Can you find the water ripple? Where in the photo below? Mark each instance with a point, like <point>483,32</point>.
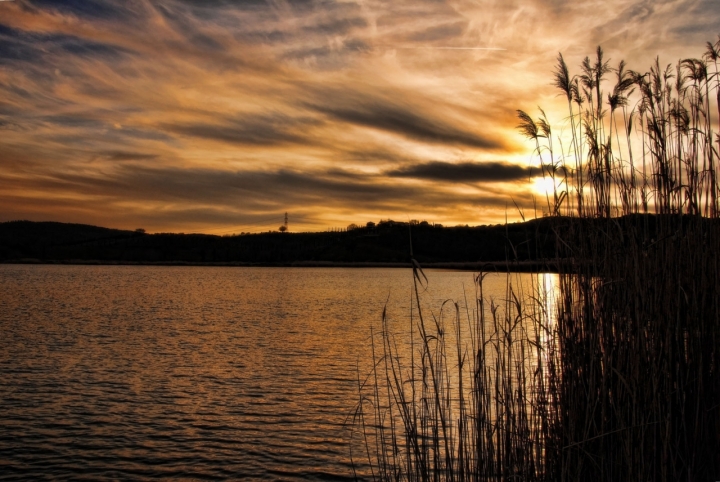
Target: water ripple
<point>187,373</point>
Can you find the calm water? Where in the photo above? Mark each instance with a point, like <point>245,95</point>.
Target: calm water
<point>126,372</point>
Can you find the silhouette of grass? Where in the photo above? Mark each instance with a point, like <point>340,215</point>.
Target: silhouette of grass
<point>619,378</point>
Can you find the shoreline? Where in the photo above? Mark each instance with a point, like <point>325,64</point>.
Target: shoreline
<point>549,266</point>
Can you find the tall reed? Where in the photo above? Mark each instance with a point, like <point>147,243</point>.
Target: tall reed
<point>639,320</point>
<point>463,398</point>
<point>620,378</point>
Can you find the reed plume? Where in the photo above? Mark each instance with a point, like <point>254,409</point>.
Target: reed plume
<point>619,379</point>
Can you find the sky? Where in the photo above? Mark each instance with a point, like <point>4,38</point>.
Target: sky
<point>219,116</point>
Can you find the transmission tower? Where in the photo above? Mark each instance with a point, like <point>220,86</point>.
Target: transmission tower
<point>286,222</point>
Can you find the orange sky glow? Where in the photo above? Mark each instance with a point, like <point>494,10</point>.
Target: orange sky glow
<point>219,116</point>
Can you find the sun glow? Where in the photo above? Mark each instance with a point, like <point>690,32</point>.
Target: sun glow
<point>545,186</point>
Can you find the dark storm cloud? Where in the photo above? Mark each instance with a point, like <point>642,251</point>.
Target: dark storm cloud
<point>261,130</point>
<point>465,172</point>
<point>403,120</point>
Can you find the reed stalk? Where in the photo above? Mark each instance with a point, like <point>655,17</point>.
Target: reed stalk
<point>619,379</point>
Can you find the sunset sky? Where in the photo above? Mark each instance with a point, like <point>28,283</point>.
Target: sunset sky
<point>219,116</point>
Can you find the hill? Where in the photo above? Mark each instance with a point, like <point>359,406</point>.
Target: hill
<point>386,242</point>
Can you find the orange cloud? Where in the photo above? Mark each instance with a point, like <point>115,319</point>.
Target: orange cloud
<point>195,116</point>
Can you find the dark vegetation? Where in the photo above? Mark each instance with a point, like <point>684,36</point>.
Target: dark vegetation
<point>385,242</point>
<point>619,378</point>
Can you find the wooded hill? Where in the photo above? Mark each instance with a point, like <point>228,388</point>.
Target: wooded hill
<point>532,242</point>
<point>386,242</point>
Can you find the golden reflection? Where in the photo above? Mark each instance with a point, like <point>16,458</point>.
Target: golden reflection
<point>549,287</point>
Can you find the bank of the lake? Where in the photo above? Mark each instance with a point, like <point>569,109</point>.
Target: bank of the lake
<point>548,266</point>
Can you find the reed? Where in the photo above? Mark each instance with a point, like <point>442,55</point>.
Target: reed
<point>619,379</point>
<point>438,408</point>
<point>639,321</point>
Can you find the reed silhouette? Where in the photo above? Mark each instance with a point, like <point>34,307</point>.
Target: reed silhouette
<point>618,378</point>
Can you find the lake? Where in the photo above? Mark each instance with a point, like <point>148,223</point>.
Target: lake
<point>137,372</point>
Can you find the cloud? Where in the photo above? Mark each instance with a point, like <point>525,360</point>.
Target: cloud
<point>703,22</point>
<point>243,194</point>
<point>325,108</point>
<point>96,9</point>
<point>465,172</point>
<point>406,121</point>
<point>32,47</point>
<point>213,5</point>
<point>85,48</point>
<point>262,130</point>
<point>440,32</point>
<point>337,26</point>
<point>264,187</point>
<point>128,156</point>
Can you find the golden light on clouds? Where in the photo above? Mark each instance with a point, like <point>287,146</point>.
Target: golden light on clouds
<point>184,115</point>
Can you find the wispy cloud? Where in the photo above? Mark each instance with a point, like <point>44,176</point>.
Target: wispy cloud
<point>400,119</point>
<point>492,171</point>
<point>271,130</point>
<point>188,114</point>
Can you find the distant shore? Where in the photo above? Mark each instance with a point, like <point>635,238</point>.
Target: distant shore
<point>387,244</point>
<point>498,266</point>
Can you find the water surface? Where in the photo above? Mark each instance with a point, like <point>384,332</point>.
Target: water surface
<point>136,372</point>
